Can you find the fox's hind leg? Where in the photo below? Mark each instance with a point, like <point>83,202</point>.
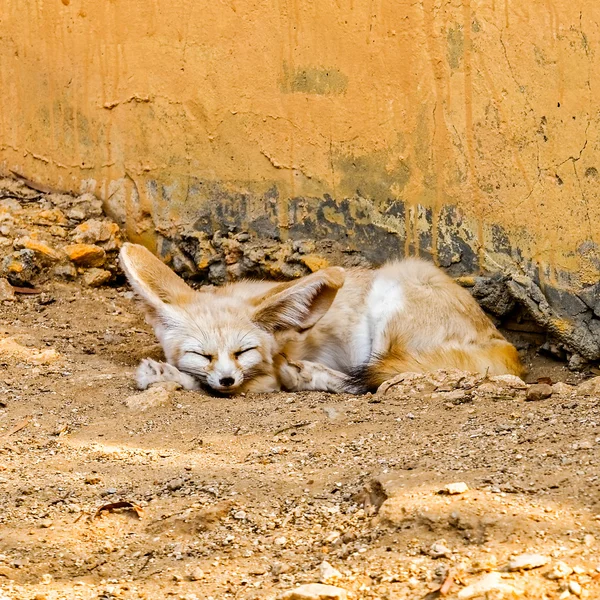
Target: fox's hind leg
<point>151,371</point>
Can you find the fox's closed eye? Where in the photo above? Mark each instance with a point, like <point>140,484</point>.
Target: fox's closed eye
<point>240,352</point>
<point>208,357</point>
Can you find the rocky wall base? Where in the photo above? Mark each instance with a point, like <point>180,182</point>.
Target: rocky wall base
<point>46,235</point>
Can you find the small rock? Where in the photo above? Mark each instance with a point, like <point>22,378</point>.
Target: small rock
<point>560,571</point>
<point>563,389</point>
<point>175,485</point>
<point>95,231</point>
<point>588,539</point>
<point>42,249</point>
<point>150,398</point>
<point>328,574</point>
<point>315,262</point>
<point>439,550</point>
<point>46,523</point>
<point>453,489</point>
<point>511,381</point>
<point>6,290</point>
<point>489,584</point>
<point>280,541</point>
<point>496,390</point>
<point>92,479</point>
<point>240,515</point>
<point>85,255</point>
<point>67,271</point>
<point>109,491</point>
<point>575,588</point>
<point>83,207</point>
<point>591,387</point>
<point>527,561</point>
<point>315,591</point>
<point>197,574</point>
<point>47,578</point>
<point>538,391</point>
<point>96,277</point>
<point>278,568</point>
<point>20,268</point>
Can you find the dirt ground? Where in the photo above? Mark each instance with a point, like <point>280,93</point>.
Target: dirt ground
<point>246,497</point>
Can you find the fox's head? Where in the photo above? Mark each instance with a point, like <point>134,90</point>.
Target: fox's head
<point>228,336</point>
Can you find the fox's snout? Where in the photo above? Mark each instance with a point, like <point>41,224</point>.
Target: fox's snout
<point>225,376</point>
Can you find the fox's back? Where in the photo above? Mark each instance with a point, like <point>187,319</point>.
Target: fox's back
<point>407,307</point>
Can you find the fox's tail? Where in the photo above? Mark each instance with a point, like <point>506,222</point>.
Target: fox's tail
<point>496,357</point>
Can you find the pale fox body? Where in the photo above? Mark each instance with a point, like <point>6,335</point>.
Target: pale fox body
<point>334,330</point>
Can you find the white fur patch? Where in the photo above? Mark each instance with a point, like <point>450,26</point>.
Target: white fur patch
<point>385,300</point>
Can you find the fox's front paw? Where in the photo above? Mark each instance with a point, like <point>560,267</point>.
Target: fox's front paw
<point>151,371</point>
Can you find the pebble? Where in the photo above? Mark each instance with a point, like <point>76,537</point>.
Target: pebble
<point>96,277</point>
<point>560,571</point>
<point>591,387</point>
<point>315,591</point>
<point>85,255</point>
<point>563,389</point>
<point>46,523</point>
<point>175,485</point>
<point>511,381</point>
<point>539,391</point>
<point>439,550</point>
<point>6,290</point>
<point>150,398</point>
<point>197,574</point>
<point>575,588</point>
<point>527,561</point>
<point>240,515</point>
<point>328,573</point>
<point>489,584</point>
<point>453,489</point>
<point>280,541</point>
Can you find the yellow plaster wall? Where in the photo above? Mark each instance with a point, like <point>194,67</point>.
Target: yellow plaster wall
<point>490,107</point>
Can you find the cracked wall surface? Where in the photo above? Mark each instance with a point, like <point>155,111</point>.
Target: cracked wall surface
<point>467,132</point>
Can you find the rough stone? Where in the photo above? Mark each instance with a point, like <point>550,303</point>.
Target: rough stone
<point>591,296</point>
<point>152,397</point>
<point>86,255</point>
<point>525,562</point>
<point>105,233</point>
<point>96,277</point>
<point>563,389</point>
<point>20,268</point>
<point>560,571</point>
<point>486,586</point>
<point>538,391</point>
<point>454,489</point>
<point>65,270</point>
<point>42,249</point>
<point>439,550</point>
<point>315,591</point>
<point>328,574</point>
<point>573,332</point>
<point>591,387</point>
<point>493,295</point>
<point>6,290</point>
<point>511,381</point>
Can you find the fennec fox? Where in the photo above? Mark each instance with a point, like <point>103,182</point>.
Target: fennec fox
<point>334,330</point>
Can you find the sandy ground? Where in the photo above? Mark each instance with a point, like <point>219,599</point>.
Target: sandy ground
<point>246,497</point>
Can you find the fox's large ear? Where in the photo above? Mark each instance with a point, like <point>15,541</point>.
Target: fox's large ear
<point>298,304</point>
<point>152,279</point>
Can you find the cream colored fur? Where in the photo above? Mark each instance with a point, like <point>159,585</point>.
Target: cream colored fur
<point>333,330</point>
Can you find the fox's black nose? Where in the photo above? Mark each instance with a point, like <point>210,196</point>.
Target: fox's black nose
<point>227,381</point>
